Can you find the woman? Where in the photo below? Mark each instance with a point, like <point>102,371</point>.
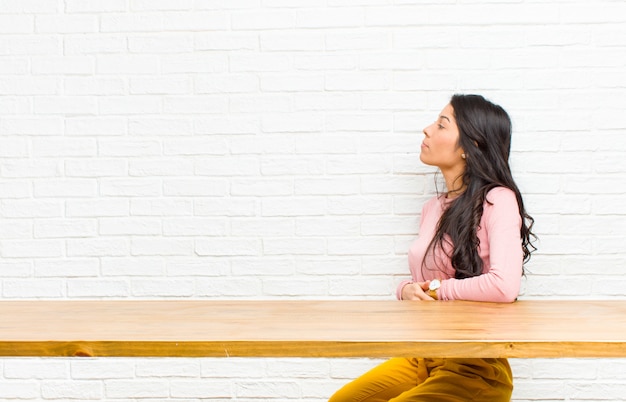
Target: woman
<point>473,241</point>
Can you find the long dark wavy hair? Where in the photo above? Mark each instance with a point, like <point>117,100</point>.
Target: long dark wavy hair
<point>485,137</point>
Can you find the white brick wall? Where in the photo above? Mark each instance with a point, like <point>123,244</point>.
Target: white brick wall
<point>260,149</point>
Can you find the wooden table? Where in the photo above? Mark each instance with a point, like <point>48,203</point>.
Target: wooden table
<point>524,329</point>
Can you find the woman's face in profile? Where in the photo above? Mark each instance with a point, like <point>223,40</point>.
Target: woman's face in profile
<point>440,146</point>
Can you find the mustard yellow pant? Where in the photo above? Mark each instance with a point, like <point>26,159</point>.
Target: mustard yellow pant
<point>432,380</point>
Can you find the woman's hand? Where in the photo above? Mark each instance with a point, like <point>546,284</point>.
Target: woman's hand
<point>416,291</point>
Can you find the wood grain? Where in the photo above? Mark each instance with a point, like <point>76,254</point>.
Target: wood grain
<point>313,328</point>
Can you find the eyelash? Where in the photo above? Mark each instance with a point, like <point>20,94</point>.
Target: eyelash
<point>441,127</point>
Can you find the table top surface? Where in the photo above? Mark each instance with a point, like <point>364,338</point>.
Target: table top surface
<point>313,328</point>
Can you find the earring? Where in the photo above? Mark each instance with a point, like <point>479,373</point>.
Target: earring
<point>463,156</point>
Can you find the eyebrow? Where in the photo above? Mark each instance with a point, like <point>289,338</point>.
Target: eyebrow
<point>444,117</point>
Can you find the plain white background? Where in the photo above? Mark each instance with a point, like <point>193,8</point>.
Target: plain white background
<point>268,149</point>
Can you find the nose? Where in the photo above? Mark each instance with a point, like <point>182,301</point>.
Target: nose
<point>425,130</point>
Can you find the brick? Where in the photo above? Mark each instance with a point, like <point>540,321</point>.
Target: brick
<point>31,208</point>
<point>66,24</point>
<point>359,122</point>
<point>195,226</point>
<point>360,164</point>
<point>172,85</point>
<point>94,44</point>
<point>129,226</point>
<point>327,226</point>
<point>135,389</point>
<point>55,147</point>
<point>32,289</point>
<point>126,105</point>
<point>264,266</point>
<point>259,20</point>
<point>359,205</point>
<point>74,85</point>
<point>131,187</point>
<point>262,227</point>
<point>194,63</point>
<point>259,62</point>
<point>65,228</point>
<point>97,288</point>
<point>97,207</point>
<point>35,369</point>
<point>96,168</point>
<point>200,389</point>
<point>126,64</point>
<point>161,207</point>
<point>30,45</point>
<point>195,146</point>
<point>95,6</point>
<point>132,22</point>
<point>178,367</point>
<point>220,287</point>
<point>360,246</point>
<point>16,269</point>
<point>65,268</point>
<point>97,247</point>
<point>234,367</point>
<point>64,105</point>
<point>293,287</point>
<point>228,247</point>
<point>155,246</point>
<point>227,166</point>
<point>292,83</point>
<point>16,24</point>
<point>86,390</point>
<point>335,17</point>
<point>101,369</point>
<point>284,389</point>
<point>162,167</point>
<point>65,188</point>
<point>96,126</point>
<point>34,126</point>
<point>226,40</point>
<point>195,104</point>
<point>20,390</point>
<point>158,43</point>
<point>70,65</point>
<point>291,165</point>
<point>132,266</point>
<point>198,266</point>
<point>300,206</point>
<point>195,187</point>
<point>297,246</point>
<point>162,288</point>
<point>314,265</point>
<point>15,189</point>
<point>226,83</point>
<point>28,85</point>
<point>261,187</point>
<point>297,42</point>
<point>237,206</point>
<point>32,248</point>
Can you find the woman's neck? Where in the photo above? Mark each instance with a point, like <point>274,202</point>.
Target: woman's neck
<point>454,184</point>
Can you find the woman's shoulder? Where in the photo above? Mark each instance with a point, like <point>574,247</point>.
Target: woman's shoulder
<point>501,193</point>
<point>501,199</point>
<point>433,203</point>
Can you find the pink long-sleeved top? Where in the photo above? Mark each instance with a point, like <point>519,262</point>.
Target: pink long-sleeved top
<point>500,249</point>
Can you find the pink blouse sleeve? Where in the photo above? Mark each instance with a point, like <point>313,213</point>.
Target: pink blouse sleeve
<point>500,281</point>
